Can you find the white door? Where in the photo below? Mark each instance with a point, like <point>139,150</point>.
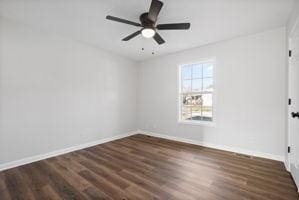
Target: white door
<point>294,107</point>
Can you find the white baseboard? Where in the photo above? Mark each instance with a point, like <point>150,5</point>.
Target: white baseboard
<point>286,165</point>
<point>216,146</point>
<point>61,151</point>
<point>295,174</point>
<point>101,141</point>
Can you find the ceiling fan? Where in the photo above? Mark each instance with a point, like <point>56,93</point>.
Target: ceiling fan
<point>148,24</point>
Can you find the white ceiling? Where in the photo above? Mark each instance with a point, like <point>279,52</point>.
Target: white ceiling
<point>211,21</point>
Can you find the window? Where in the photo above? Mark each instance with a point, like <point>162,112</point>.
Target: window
<point>196,89</point>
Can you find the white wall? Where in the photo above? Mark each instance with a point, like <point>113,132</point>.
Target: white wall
<point>56,93</point>
<point>294,16</point>
<point>250,93</point>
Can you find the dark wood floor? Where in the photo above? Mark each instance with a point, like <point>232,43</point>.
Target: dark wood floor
<point>142,167</point>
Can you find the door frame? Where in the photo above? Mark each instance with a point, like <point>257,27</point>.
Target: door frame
<point>289,48</point>
<point>288,159</point>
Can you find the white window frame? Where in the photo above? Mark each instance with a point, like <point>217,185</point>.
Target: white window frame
<point>196,122</point>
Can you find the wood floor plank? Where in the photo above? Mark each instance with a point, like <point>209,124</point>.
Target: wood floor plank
<point>4,193</point>
<point>16,185</point>
<point>86,188</point>
<point>149,168</point>
<point>94,194</point>
<point>49,193</point>
<point>72,178</point>
<point>109,189</point>
<point>58,183</point>
<point>110,176</point>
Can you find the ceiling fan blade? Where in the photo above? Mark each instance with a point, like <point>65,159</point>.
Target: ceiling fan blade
<point>158,38</point>
<point>122,20</point>
<point>132,35</point>
<point>176,26</point>
<point>154,10</point>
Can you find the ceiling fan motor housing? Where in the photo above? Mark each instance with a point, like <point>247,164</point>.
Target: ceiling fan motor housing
<point>145,21</point>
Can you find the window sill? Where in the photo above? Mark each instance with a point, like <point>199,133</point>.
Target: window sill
<point>198,123</point>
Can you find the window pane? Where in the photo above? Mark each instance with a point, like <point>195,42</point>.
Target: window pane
<point>207,107</point>
<point>186,72</point>
<point>196,113</point>
<point>208,84</point>
<point>196,85</point>
<point>208,70</point>
<point>186,86</point>
<point>197,71</point>
<point>187,100</point>
<point>186,113</point>
<point>196,99</point>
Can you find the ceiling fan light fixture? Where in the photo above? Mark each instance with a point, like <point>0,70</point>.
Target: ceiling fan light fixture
<point>148,32</point>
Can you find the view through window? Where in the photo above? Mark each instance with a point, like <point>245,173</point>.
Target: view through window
<point>196,92</point>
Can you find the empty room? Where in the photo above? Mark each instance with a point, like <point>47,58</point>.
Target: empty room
<point>149,99</point>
